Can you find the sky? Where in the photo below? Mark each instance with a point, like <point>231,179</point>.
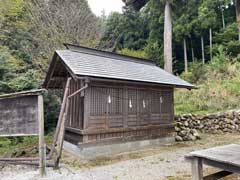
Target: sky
<point>108,5</point>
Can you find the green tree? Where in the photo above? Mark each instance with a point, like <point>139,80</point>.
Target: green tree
<point>30,31</point>
<point>155,16</point>
<point>129,30</point>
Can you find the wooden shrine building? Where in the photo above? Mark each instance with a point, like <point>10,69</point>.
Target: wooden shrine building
<point>123,98</point>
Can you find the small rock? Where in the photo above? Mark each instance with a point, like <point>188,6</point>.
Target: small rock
<point>192,138</point>
<point>177,129</point>
<point>178,138</point>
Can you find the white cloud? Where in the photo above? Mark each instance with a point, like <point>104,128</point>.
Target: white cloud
<point>109,6</point>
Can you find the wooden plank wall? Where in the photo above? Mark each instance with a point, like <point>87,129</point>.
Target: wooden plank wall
<point>144,107</point>
<point>19,116</point>
<point>75,118</point>
<point>127,135</point>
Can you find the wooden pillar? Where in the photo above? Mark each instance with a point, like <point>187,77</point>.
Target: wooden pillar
<point>138,108</point>
<point>86,107</point>
<point>42,156</point>
<point>197,170</point>
<point>125,107</point>
<point>63,108</point>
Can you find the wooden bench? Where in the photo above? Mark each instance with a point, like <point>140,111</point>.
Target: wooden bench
<point>226,158</point>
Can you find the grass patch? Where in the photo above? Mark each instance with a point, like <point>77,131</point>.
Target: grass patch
<point>218,88</point>
<point>8,145</point>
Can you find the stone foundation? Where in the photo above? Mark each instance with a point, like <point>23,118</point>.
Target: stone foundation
<point>115,148</point>
<point>188,126</point>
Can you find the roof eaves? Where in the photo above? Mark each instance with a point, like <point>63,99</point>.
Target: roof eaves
<point>137,82</point>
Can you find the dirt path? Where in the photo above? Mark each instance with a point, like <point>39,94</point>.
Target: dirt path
<point>155,163</point>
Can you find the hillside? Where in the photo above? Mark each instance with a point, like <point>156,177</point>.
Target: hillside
<point>218,86</point>
<point>30,31</point>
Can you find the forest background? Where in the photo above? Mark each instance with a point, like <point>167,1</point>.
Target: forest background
<point>206,45</point>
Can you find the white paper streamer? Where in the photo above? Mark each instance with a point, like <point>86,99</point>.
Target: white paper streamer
<point>109,99</point>
<point>144,104</point>
<point>130,103</point>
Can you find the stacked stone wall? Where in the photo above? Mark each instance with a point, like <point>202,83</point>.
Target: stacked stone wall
<point>189,127</point>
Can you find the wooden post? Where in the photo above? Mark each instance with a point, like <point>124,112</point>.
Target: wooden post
<point>197,171</point>
<point>66,93</point>
<point>86,108</point>
<point>125,107</point>
<point>42,160</point>
<point>61,135</point>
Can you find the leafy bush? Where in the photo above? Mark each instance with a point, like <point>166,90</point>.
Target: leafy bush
<point>52,109</point>
<point>134,53</point>
<point>219,61</point>
<point>155,52</point>
<point>228,39</point>
<point>195,74</point>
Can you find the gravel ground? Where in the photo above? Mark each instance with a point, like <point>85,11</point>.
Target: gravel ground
<point>153,163</point>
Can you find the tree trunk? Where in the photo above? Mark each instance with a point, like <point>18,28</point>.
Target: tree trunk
<point>192,50</point>
<point>193,57</point>
<point>237,6</point>
<point>168,38</point>
<point>203,54</point>
<point>185,55</point>
<point>223,19</point>
<point>210,43</point>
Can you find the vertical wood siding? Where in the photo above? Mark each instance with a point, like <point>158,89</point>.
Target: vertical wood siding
<point>132,107</point>
<point>167,107</point>
<point>119,112</point>
<point>106,107</point>
<point>144,107</point>
<point>75,117</point>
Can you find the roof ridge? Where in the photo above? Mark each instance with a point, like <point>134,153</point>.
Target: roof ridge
<point>106,54</point>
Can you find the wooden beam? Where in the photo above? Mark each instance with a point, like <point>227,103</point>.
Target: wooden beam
<point>17,135</point>
<point>42,160</point>
<point>61,135</point>
<point>22,159</point>
<point>130,82</point>
<point>197,170</point>
<point>78,91</point>
<point>50,71</point>
<point>23,93</point>
<point>48,164</point>
<point>125,107</point>
<point>116,130</point>
<point>217,175</point>
<point>86,108</point>
<point>222,165</point>
<point>60,79</point>
<point>66,93</point>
